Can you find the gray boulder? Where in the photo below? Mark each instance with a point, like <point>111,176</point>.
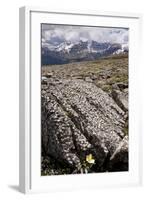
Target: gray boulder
<point>120,95</point>
<point>78,119</point>
<point>119,159</point>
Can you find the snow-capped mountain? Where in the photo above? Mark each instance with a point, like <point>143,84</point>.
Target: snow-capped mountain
<point>68,51</point>
<point>64,46</point>
<point>124,49</point>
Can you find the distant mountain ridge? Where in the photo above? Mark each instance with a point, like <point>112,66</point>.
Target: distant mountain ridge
<point>67,51</point>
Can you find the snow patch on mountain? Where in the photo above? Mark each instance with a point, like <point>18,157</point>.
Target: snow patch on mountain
<point>65,46</point>
<point>124,48</point>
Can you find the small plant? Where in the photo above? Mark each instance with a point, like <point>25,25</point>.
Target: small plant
<point>87,164</point>
<point>90,159</point>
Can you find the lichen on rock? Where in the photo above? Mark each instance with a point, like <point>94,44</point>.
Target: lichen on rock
<point>79,119</point>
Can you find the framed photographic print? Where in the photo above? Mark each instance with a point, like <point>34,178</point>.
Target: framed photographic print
<point>79,102</point>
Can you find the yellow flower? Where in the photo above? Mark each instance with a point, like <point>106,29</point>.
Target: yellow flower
<point>90,159</point>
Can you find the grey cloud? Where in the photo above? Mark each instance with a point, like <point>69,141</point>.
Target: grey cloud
<point>60,33</point>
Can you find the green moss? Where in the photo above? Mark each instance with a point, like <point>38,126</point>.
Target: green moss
<point>125,130</point>
<point>117,78</point>
<point>107,88</point>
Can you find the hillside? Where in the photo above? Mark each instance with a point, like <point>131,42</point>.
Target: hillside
<point>102,72</point>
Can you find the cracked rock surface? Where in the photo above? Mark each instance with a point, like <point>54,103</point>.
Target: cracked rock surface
<point>78,119</point>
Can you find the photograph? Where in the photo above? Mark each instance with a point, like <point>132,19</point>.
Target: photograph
<point>84,99</point>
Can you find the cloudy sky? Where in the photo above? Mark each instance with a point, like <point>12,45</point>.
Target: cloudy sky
<point>55,34</point>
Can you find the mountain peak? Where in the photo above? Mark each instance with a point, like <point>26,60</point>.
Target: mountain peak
<point>68,51</point>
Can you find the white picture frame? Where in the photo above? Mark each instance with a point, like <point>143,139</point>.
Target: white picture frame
<point>29,160</point>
